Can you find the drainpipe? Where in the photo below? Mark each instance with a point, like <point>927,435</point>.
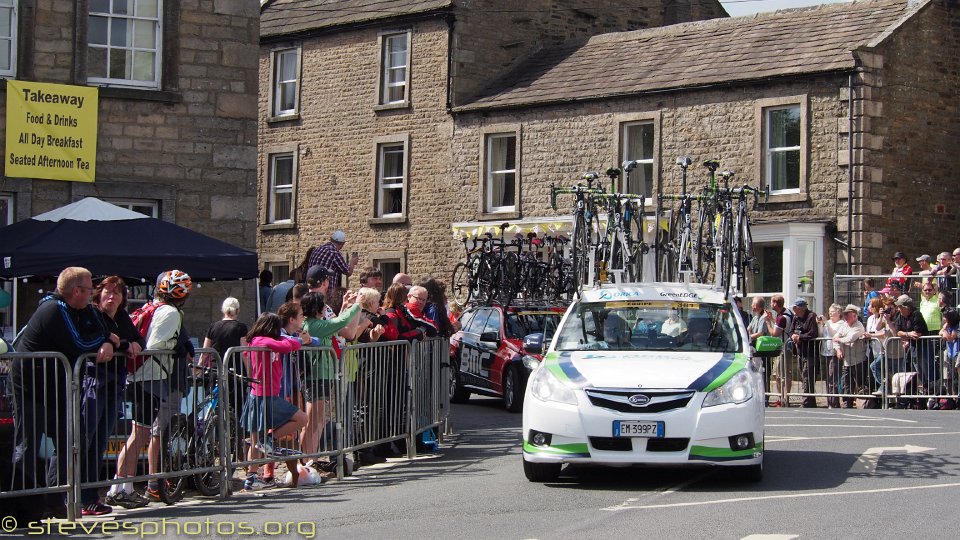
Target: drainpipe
<point>450,20</point>
<point>850,176</point>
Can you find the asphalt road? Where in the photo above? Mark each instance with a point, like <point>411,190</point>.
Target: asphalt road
<point>828,474</point>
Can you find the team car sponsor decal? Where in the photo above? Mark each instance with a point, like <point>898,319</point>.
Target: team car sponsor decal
<point>566,450</point>
<point>562,366</point>
<point>720,373</point>
<point>709,453</point>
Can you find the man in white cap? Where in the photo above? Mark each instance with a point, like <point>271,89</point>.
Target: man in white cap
<point>329,256</point>
<point>849,346</point>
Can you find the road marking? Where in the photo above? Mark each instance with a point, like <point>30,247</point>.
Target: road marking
<point>843,416</point>
<point>851,426</point>
<point>771,439</point>
<point>666,490</point>
<point>771,537</point>
<point>831,493</point>
<point>867,462</point>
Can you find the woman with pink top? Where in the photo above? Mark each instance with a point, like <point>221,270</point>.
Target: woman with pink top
<point>266,415</point>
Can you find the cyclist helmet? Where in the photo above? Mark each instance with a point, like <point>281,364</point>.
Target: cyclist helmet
<point>175,283</point>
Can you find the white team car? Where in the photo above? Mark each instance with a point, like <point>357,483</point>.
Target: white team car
<point>653,374</point>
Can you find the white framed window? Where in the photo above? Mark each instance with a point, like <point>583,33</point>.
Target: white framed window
<point>501,172</point>
<point>6,209</point>
<point>782,148</point>
<point>391,179</point>
<point>280,187</point>
<point>394,69</point>
<point>8,38</point>
<point>286,82</point>
<point>145,207</point>
<point>124,42</point>
<point>637,144</point>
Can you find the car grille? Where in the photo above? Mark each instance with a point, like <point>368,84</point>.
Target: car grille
<point>675,444</point>
<point>615,444</point>
<point>618,399</point>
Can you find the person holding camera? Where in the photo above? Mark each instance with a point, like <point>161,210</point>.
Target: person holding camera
<point>877,331</point>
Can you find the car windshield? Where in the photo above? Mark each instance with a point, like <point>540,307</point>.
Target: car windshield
<point>649,326</point>
<point>522,323</point>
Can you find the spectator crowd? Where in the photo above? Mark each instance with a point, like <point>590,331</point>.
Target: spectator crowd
<point>285,400</point>
<point>849,348</point>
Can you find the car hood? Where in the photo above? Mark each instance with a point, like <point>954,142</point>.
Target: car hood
<point>662,369</point>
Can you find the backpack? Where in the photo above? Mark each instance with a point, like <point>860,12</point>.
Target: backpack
<point>141,317</point>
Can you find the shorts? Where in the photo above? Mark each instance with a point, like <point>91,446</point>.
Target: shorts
<point>316,390</point>
<point>169,407</point>
<point>261,413</point>
<point>146,402</point>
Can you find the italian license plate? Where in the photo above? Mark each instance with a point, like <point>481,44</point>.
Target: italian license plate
<point>635,428</point>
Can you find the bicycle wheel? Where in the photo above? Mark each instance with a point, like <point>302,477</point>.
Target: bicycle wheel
<point>460,284</point>
<point>507,279</point>
<point>704,248</point>
<point>724,258</point>
<point>581,248</point>
<point>637,247</point>
<point>207,452</point>
<point>178,458</point>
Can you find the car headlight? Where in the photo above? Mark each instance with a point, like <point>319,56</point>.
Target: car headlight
<point>737,390</point>
<point>546,387</point>
<point>530,362</point>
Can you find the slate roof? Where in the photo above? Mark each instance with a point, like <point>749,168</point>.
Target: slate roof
<point>782,43</point>
<point>281,17</point>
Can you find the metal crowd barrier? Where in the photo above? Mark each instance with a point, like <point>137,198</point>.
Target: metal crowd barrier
<point>891,373</point>
<point>38,392</point>
<point>378,392</point>
<point>105,417</point>
<point>118,415</point>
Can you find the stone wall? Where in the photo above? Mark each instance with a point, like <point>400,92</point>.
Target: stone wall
<point>910,97</point>
<point>336,132</point>
<point>191,146</point>
<point>490,36</point>
<point>560,143</point>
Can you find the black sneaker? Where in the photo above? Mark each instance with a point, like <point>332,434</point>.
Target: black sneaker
<point>127,500</point>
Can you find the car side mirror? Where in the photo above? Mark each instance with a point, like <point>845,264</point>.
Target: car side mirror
<point>490,337</point>
<point>533,343</point>
<point>768,347</point>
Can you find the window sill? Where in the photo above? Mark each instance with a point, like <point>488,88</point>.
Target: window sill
<point>499,216</point>
<point>387,220</point>
<point>391,106</point>
<point>788,198</point>
<point>140,94</point>
<point>284,118</point>
<point>278,226</point>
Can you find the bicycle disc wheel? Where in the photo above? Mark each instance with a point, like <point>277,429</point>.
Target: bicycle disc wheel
<point>460,284</point>
<point>178,450</point>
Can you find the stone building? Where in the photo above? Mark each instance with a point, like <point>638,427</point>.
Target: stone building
<point>355,118</point>
<point>176,138</point>
<point>393,125</point>
<point>778,97</point>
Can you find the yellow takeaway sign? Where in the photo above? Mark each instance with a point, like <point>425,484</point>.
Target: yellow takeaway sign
<point>51,131</point>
